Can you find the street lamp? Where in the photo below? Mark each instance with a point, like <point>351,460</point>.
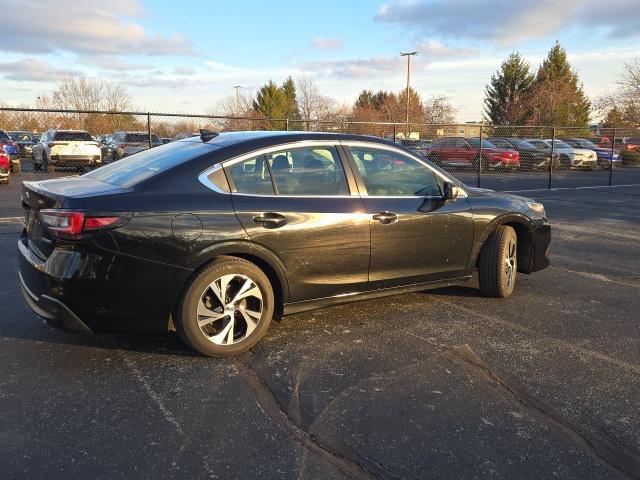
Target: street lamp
<point>408,55</point>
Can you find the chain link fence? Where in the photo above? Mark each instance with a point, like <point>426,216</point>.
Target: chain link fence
<point>41,144</point>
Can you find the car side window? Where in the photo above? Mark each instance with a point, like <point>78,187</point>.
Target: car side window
<point>390,174</point>
<point>500,143</point>
<point>459,143</point>
<point>251,176</point>
<point>308,171</point>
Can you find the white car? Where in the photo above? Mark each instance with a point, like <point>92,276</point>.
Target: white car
<point>66,148</point>
<point>571,157</point>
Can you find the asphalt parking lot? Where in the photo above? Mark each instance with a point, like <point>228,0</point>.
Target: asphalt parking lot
<point>440,384</point>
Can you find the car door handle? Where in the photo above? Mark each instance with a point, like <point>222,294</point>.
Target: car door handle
<point>386,217</point>
<point>270,220</point>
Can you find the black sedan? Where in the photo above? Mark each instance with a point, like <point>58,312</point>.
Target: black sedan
<point>531,157</point>
<point>214,236</point>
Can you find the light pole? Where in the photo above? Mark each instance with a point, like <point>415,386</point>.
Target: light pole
<point>237,108</point>
<point>408,55</point>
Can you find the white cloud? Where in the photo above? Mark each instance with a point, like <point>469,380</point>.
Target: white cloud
<point>91,27</point>
<point>33,70</point>
<point>114,63</point>
<point>435,50</point>
<point>507,21</point>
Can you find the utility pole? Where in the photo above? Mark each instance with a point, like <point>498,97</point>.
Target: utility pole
<point>237,109</point>
<point>408,55</point>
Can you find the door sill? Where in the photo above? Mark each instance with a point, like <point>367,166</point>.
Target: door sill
<point>304,305</point>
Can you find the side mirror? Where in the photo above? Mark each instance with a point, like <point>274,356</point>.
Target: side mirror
<point>450,191</point>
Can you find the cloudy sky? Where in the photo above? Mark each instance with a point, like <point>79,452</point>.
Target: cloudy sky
<point>185,56</point>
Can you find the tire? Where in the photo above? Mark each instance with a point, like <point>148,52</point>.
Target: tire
<point>476,163</point>
<point>565,162</point>
<point>215,337</point>
<point>498,263</point>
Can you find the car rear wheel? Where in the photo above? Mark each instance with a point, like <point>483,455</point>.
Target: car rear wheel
<point>498,263</point>
<point>565,162</point>
<point>45,164</point>
<point>226,309</point>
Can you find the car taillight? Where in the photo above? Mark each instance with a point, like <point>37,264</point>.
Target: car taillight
<point>74,225</point>
<point>123,145</point>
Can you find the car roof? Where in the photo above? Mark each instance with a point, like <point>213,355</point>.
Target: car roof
<point>267,138</point>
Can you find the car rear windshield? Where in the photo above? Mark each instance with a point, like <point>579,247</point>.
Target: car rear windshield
<point>73,137</point>
<point>522,143</point>
<point>140,138</point>
<point>632,140</point>
<point>143,165</point>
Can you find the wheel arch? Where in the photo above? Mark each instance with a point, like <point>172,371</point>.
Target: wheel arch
<point>524,234</point>
<point>246,250</point>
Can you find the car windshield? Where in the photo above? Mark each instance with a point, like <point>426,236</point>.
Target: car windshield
<point>522,143</point>
<point>584,143</point>
<point>475,142</point>
<point>148,163</point>
<point>140,138</point>
<point>73,137</point>
<point>560,144</point>
<point>21,137</point>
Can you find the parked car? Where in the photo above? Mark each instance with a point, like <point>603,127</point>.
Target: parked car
<point>24,140</point>
<point>465,152</point>
<point>66,148</point>
<point>5,166</point>
<point>631,143</point>
<point>123,144</point>
<point>216,235</point>
<point>421,147</point>
<point>569,157</point>
<point>531,157</point>
<point>604,155</point>
<point>11,151</point>
<point>106,149</point>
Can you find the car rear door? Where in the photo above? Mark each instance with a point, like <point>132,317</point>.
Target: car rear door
<point>299,203</point>
<point>416,236</point>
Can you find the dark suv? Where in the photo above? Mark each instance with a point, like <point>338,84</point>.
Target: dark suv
<point>215,235</point>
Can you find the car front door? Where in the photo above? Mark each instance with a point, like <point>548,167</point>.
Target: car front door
<point>416,236</point>
<point>299,203</point>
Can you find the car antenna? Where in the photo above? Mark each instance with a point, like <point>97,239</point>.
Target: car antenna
<point>206,135</point>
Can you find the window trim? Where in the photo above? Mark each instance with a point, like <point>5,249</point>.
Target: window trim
<point>354,180</point>
<point>275,148</point>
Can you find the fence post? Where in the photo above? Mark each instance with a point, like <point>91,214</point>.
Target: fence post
<point>395,132</point>
<point>553,145</point>
<point>287,124</point>
<point>149,129</point>
<point>480,156</point>
<point>613,142</point>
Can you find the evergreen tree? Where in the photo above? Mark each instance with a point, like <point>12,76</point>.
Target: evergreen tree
<point>272,102</point>
<point>289,90</point>
<point>505,96</point>
<point>557,97</point>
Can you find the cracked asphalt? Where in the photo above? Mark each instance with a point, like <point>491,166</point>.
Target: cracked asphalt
<point>439,384</point>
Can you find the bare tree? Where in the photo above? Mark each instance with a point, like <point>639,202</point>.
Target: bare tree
<point>622,107</point>
<point>238,104</point>
<point>312,105</point>
<point>438,109</point>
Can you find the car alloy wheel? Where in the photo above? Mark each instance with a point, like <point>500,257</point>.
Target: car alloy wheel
<point>510,263</point>
<point>229,309</point>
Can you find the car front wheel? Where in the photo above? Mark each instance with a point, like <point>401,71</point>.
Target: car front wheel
<point>226,309</point>
<point>498,263</point>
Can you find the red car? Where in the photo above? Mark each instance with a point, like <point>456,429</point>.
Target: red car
<point>465,152</point>
<point>5,166</point>
<point>631,143</point>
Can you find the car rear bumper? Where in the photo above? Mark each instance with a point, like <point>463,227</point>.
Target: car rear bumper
<point>98,291</point>
<point>75,160</point>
